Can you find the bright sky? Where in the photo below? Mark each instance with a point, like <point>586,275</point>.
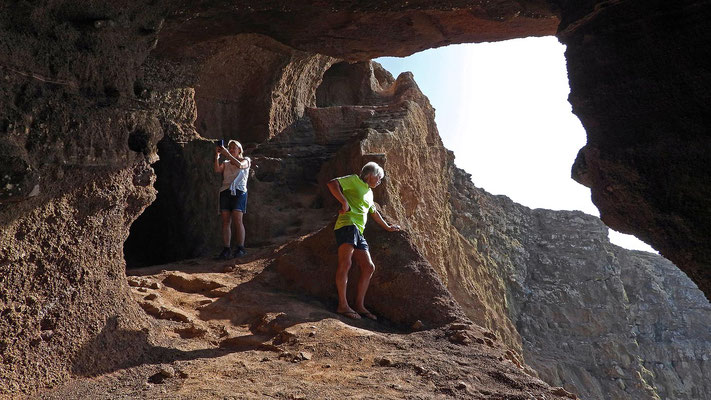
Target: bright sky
<point>503,109</point>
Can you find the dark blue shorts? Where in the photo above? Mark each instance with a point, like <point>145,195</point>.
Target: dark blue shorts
<point>351,235</point>
<point>233,203</point>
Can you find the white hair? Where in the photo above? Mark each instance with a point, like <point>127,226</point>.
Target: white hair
<point>372,168</point>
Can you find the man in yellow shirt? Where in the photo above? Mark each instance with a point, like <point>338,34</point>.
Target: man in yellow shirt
<point>356,198</point>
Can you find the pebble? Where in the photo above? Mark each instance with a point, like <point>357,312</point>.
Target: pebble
<point>417,325</point>
<point>458,327</point>
<point>384,362</point>
<point>167,371</point>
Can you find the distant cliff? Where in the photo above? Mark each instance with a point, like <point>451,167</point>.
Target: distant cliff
<point>600,320</point>
<point>106,116</point>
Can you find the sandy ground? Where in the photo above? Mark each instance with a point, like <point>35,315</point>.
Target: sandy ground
<point>223,330</point>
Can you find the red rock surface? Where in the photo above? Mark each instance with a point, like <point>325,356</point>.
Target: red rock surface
<point>88,102</point>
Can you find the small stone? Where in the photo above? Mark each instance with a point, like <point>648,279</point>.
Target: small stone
<point>142,290</point>
<point>384,362</point>
<point>327,366</point>
<point>151,296</point>
<point>265,359</point>
<point>460,337</point>
<point>154,285</point>
<point>228,268</point>
<point>46,335</point>
<point>559,391</point>
<point>167,371</point>
<point>461,385</point>
<point>458,327</point>
<point>360,359</point>
<point>304,355</point>
<point>417,325</point>
<point>312,334</point>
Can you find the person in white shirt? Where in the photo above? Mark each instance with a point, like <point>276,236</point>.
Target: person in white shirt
<point>233,195</point>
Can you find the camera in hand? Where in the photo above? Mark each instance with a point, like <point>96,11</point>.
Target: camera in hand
<point>220,142</point>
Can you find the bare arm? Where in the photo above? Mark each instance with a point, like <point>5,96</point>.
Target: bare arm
<point>219,167</point>
<point>335,188</point>
<point>240,161</point>
<point>379,219</point>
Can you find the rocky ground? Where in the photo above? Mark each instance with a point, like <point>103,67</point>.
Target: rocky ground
<point>223,330</point>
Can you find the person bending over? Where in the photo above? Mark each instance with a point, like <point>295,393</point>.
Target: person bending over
<point>233,195</point>
<point>356,198</point>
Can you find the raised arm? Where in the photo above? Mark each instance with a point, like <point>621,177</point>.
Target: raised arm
<point>242,162</point>
<point>379,219</point>
<point>335,188</point>
<point>219,167</point>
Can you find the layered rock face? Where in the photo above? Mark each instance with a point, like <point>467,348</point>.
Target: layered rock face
<point>600,320</point>
<point>640,86</point>
<point>75,167</point>
<point>85,110</point>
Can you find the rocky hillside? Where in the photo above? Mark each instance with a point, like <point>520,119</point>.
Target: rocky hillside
<point>606,322</point>
<point>106,116</point>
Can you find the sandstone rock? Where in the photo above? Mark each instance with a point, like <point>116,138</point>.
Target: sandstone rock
<point>603,353</point>
<point>384,362</point>
<point>87,103</point>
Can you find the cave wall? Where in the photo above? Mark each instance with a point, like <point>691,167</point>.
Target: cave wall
<point>640,85</point>
<point>83,108</point>
<point>75,165</point>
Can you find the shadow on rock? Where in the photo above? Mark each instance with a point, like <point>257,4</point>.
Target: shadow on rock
<point>404,289</point>
<point>116,348</point>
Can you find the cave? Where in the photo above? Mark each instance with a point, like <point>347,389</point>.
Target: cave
<point>183,222</point>
<point>107,109</point>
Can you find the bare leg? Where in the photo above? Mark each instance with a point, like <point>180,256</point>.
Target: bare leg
<point>226,229</point>
<point>345,252</point>
<point>239,227</point>
<point>367,268</point>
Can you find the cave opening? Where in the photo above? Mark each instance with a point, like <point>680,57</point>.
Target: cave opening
<point>503,108</point>
<point>285,198</point>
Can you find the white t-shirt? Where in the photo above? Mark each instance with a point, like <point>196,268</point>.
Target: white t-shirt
<point>233,173</point>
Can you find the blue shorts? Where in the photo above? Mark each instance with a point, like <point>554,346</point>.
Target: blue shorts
<point>349,234</point>
<point>233,203</point>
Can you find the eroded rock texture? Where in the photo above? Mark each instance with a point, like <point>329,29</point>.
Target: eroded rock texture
<point>640,85</point>
<point>76,148</point>
<point>93,93</point>
<point>602,321</point>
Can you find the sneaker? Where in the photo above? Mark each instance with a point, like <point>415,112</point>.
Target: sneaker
<point>239,252</point>
<point>225,255</point>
